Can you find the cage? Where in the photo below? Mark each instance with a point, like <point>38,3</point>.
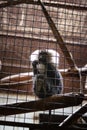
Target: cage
<point>27,27</point>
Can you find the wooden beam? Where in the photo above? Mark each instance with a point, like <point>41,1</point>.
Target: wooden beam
<point>42,126</point>
<point>56,118</point>
<point>9,3</point>
<point>73,117</point>
<point>50,103</point>
<point>20,124</point>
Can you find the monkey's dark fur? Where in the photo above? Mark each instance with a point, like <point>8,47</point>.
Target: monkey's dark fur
<point>47,82</point>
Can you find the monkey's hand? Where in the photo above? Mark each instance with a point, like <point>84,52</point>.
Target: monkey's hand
<point>34,63</point>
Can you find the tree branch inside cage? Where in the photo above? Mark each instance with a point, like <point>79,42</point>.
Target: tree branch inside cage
<point>58,37</point>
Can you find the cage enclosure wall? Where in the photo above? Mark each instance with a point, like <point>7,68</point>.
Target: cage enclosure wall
<point>24,29</point>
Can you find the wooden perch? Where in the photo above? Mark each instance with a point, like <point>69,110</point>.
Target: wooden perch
<point>73,117</point>
<point>21,78</point>
<point>50,103</point>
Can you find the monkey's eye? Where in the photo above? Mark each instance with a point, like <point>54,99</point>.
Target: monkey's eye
<point>42,58</point>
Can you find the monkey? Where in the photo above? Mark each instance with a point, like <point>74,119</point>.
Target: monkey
<point>47,80</point>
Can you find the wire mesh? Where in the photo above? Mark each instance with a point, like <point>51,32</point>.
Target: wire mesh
<point>23,30</point>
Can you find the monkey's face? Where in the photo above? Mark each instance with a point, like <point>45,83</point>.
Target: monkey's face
<point>43,57</point>
<point>41,68</point>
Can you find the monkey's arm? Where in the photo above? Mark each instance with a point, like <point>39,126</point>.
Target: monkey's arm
<point>54,75</point>
<point>34,64</point>
<point>52,72</point>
